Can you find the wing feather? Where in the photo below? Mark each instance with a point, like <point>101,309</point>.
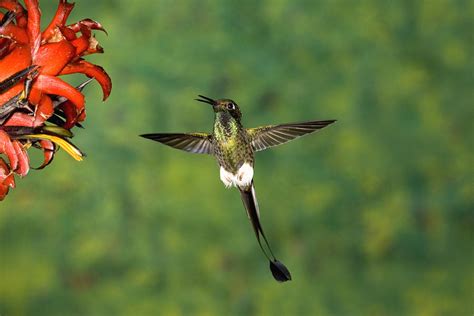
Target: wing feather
<point>198,143</point>
<point>274,135</point>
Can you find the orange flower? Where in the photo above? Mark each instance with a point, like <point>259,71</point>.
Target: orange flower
<point>37,108</point>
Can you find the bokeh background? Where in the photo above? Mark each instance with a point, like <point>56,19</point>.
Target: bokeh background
<point>373,215</point>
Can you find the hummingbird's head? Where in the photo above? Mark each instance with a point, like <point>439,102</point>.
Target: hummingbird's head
<point>223,105</point>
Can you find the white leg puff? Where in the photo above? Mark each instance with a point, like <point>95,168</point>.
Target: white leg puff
<point>227,178</point>
<point>243,177</point>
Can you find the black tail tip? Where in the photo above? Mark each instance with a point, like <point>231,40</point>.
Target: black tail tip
<point>279,271</point>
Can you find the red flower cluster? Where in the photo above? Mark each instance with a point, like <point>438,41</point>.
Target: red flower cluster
<point>38,109</point>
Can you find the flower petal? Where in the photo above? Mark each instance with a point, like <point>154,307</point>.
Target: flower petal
<point>59,19</point>
<point>15,32</point>
<point>19,58</point>
<point>33,28</point>
<point>44,110</point>
<point>90,24</point>
<point>20,119</point>
<point>23,161</point>
<point>5,46</point>
<point>7,148</point>
<point>7,179</point>
<point>91,71</point>
<point>70,114</point>
<point>54,85</point>
<point>14,6</point>
<point>49,149</point>
<point>52,57</point>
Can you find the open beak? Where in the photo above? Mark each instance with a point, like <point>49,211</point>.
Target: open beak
<point>206,100</point>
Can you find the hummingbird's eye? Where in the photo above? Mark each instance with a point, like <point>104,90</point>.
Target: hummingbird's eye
<point>231,106</point>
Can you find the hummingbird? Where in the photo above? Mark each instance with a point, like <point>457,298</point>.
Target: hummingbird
<point>234,148</point>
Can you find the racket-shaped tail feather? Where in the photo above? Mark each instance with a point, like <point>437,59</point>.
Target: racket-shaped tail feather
<point>279,271</point>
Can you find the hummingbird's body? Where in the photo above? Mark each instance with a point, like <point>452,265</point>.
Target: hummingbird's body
<point>234,148</point>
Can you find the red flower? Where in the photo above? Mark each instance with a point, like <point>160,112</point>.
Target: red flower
<point>37,108</point>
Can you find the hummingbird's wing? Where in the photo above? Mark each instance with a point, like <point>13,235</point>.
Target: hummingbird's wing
<point>198,143</point>
<point>272,135</point>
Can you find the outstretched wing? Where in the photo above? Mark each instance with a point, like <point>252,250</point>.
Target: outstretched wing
<point>273,135</point>
<point>198,143</point>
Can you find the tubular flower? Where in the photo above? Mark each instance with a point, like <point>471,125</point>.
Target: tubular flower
<point>37,108</point>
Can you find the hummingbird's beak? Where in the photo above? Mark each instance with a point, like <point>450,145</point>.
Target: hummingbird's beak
<point>206,100</point>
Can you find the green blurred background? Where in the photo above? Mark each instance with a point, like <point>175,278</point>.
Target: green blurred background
<point>373,215</point>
